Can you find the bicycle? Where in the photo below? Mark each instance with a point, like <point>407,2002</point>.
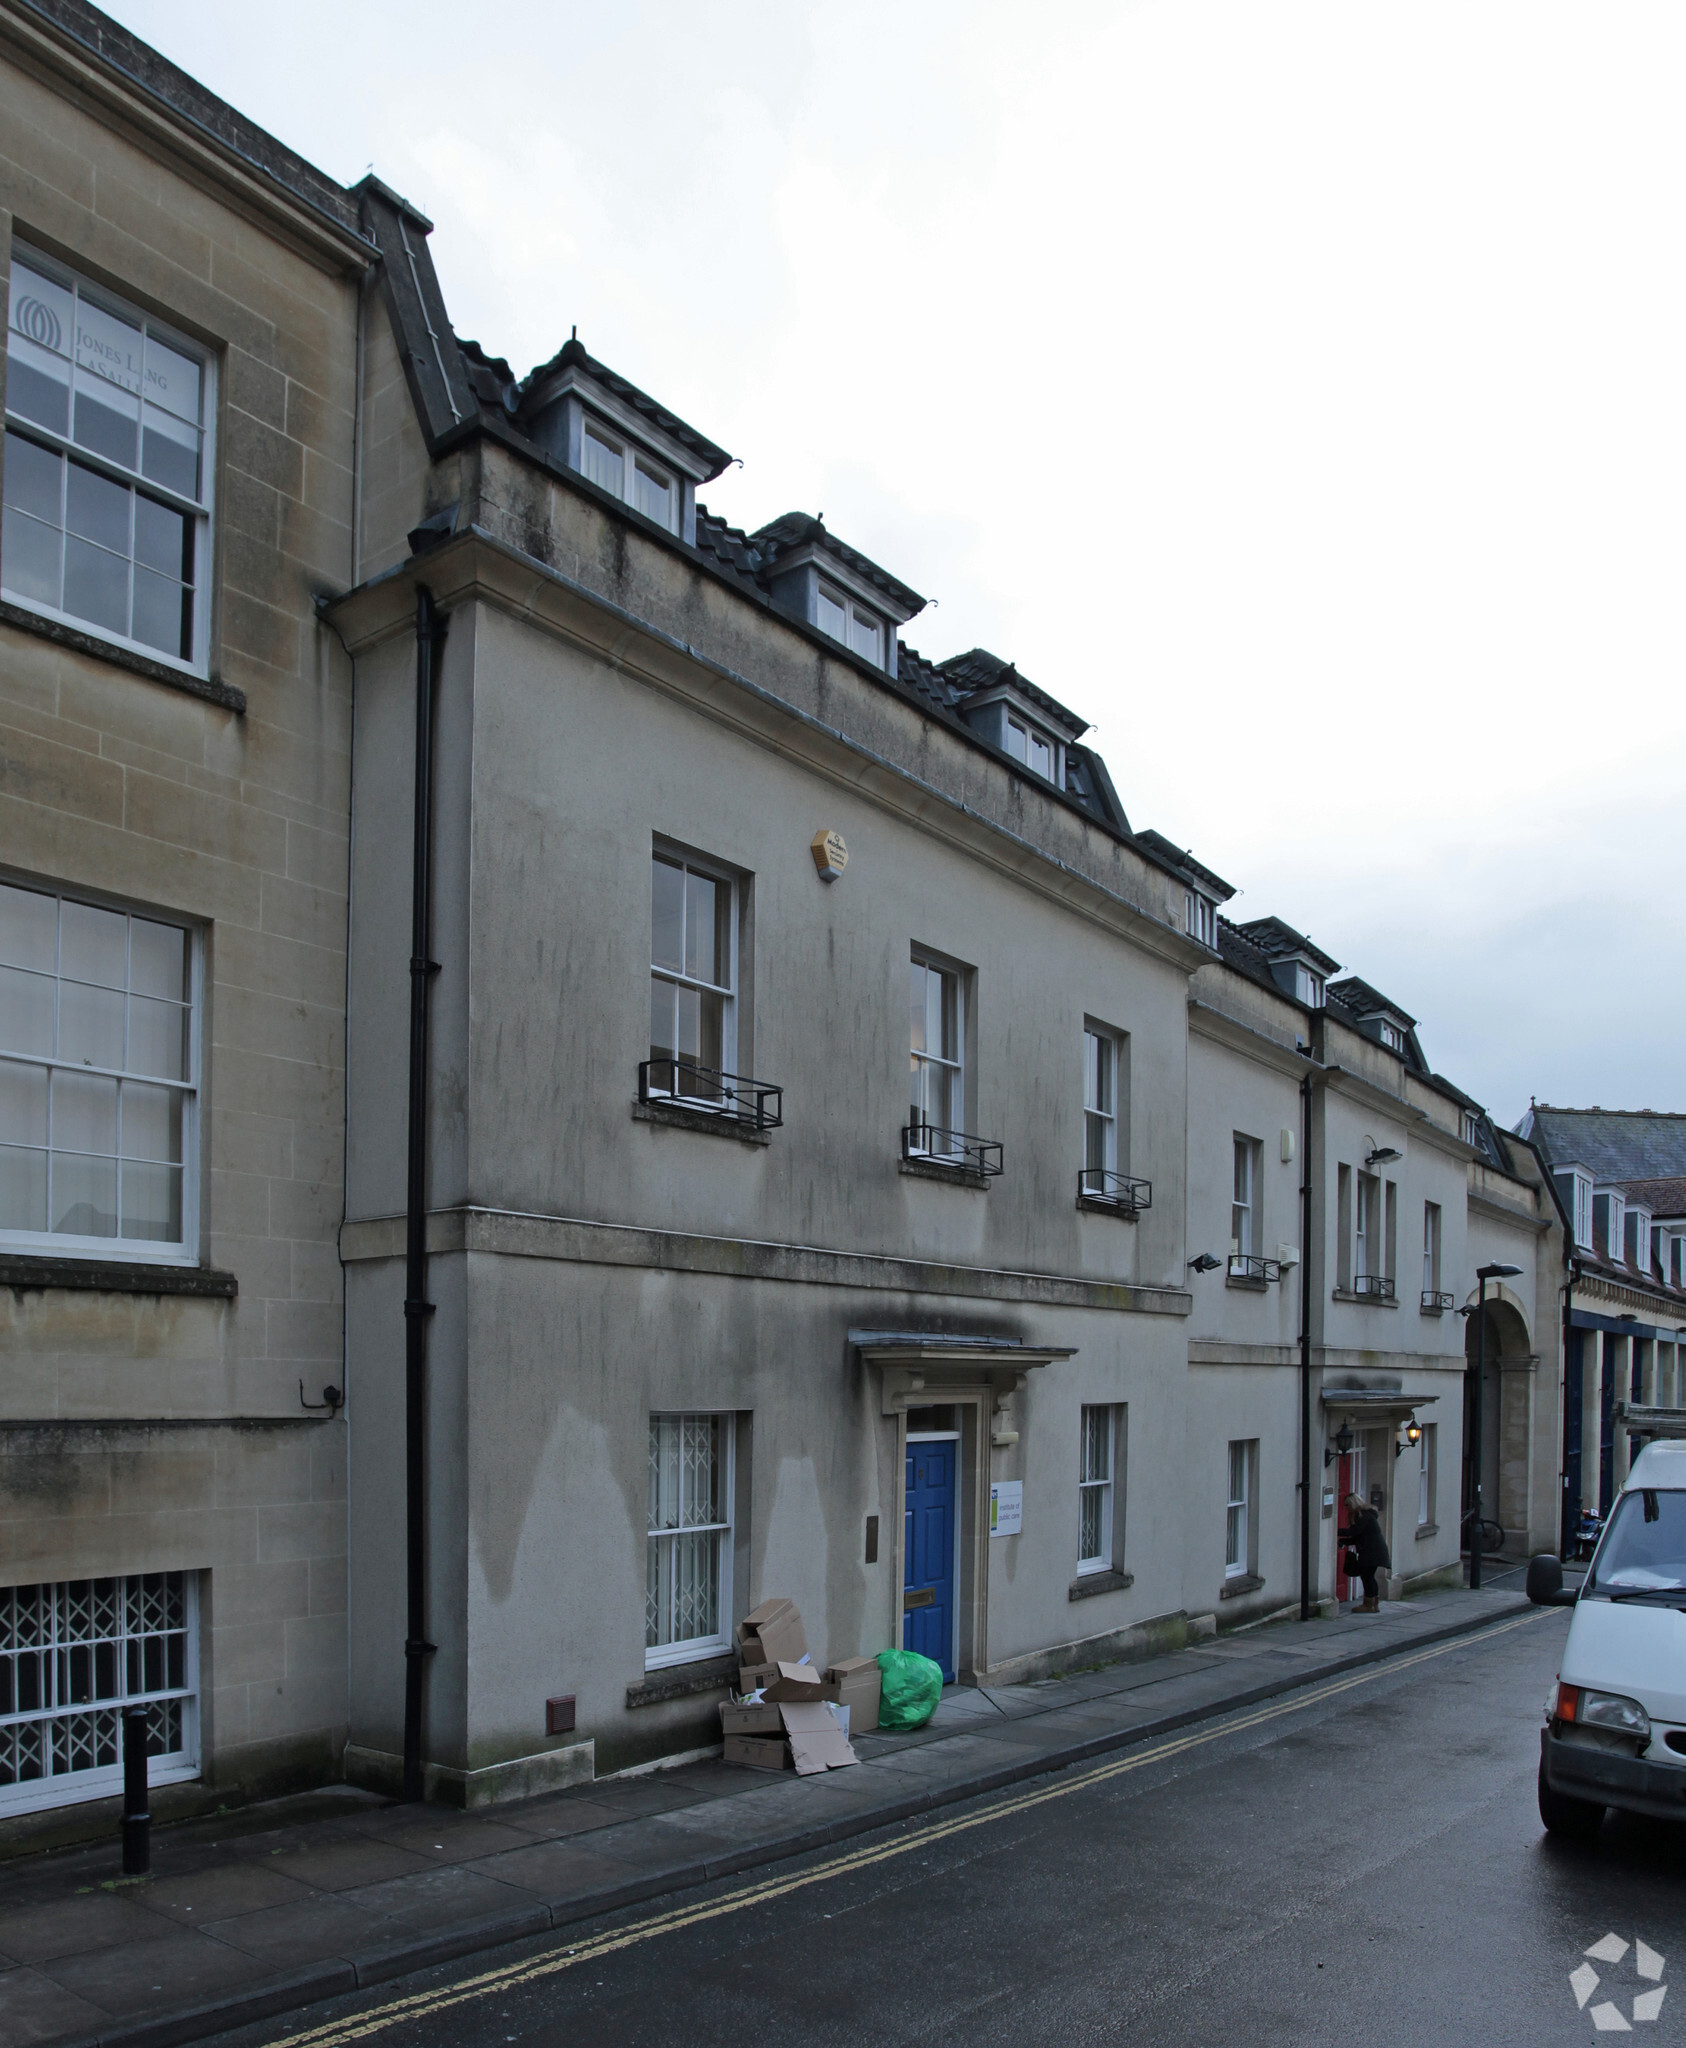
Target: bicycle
<point>1492,1536</point>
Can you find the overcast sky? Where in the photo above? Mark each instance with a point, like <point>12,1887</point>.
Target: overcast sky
<point>1295,388</point>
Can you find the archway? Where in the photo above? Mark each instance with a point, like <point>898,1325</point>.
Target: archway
<point>1505,1404</point>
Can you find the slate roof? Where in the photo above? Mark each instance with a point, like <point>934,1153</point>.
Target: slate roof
<point>1276,940</point>
<point>1183,862</point>
<point>1665,1197</point>
<point>793,530</point>
<point>1364,1001</point>
<point>1614,1145</point>
<point>574,355</point>
<point>978,670</point>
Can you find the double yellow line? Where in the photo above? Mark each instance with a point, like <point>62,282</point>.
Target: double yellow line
<point>423,2004</point>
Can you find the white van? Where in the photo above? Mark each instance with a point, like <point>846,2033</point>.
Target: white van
<point>1615,1732</point>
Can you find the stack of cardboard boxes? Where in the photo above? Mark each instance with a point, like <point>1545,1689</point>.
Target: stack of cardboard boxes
<point>786,1714</point>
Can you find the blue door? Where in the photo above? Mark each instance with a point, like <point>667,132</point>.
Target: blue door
<point>928,1547</point>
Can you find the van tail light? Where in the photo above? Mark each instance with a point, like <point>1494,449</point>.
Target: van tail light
<point>1568,1702</point>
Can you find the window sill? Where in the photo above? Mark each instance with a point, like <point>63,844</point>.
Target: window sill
<point>1245,1285</point>
<point>1087,1584</point>
<point>1097,1207</point>
<point>1243,1582</point>
<point>1427,1529</point>
<point>955,1176</point>
<point>34,1270</point>
<point>207,687</point>
<point>677,1117</point>
<point>679,1681</point>
<point>1362,1300</point>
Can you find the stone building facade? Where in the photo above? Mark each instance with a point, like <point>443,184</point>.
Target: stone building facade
<point>848,1158</point>
<point>180,400</point>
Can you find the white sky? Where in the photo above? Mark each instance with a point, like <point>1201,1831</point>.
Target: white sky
<point>1292,387</point>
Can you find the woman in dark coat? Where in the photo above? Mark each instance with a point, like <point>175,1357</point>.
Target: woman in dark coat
<point>1367,1546</point>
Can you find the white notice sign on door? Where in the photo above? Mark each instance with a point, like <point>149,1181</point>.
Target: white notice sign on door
<point>1006,1507</point>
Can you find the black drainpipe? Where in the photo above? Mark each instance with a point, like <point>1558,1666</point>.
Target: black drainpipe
<point>430,638</point>
<point>1306,1462</point>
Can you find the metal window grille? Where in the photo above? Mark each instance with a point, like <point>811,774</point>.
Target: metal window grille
<point>1094,1490</point>
<point>689,1534</point>
<point>72,1655</point>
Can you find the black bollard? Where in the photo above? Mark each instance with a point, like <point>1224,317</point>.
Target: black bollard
<point>137,1821</point>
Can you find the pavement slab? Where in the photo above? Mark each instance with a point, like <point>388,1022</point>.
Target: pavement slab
<point>262,1912</point>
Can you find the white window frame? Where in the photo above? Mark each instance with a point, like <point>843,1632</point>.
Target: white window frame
<point>863,629</point>
<point>659,1656</point>
<point>1106,1557</point>
<point>100,1781</point>
<point>1200,918</point>
<point>1308,986</point>
<point>1431,1247</point>
<point>632,457</point>
<point>130,1251</point>
<point>1238,1508</point>
<point>1582,1220</point>
<point>724,878</point>
<point>201,511</point>
<point>1101,1062</point>
<point>1029,738</point>
<point>1364,1207</point>
<point>1426,1477</point>
<point>1392,1037</point>
<point>1470,1128</point>
<point>1244,1200</point>
<point>921,1060</point>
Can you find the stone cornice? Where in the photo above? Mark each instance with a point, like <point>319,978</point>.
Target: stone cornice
<point>510,1233</point>
<point>39,45</point>
<point>1210,1022</point>
<point>476,566</point>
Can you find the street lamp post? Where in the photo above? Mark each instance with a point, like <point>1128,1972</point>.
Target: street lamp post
<point>1482,1274</point>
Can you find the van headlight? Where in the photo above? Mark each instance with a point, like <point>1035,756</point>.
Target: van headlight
<point>1581,1707</point>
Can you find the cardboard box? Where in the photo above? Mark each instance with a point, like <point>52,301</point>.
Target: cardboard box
<point>797,1682</point>
<point>772,1634</point>
<point>860,1685</point>
<point>816,1741</point>
<point>740,1720</point>
<point>759,1752</point>
<point>752,1677</point>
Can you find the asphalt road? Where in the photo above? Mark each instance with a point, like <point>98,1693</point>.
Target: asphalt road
<point>1362,1863</point>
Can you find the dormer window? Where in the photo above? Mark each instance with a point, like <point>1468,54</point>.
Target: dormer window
<point>1308,987</point>
<point>1201,914</point>
<point>1033,748</point>
<point>626,472</point>
<point>1470,1128</point>
<point>851,623</point>
<point>1583,1211</point>
<point>1392,1037</point>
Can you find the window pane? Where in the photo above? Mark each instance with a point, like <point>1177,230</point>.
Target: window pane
<point>157,959</point>
<point>163,615</point>
<point>84,1200</point>
<point>34,478</point>
<point>170,452</point>
<point>23,1189</point>
<point>1041,756</point>
<point>29,928</point>
<point>1089,1537</point>
<point>90,1025</point>
<point>105,420</point>
<point>708,929</point>
<point>831,617</point>
<point>98,509</point>
<point>662,1033</point>
<point>23,1104</point>
<point>689,1003</point>
<point>919,971</point>
<point>38,367</point>
<point>1018,740</point>
<point>94,945</point>
<point>151,1123</point>
<point>152,1202</point>
<point>172,380</point>
<point>84,1112</point>
<point>32,559</point>
<point>601,460</point>
<point>652,494</point>
<point>96,586</point>
<point>668,917</point>
<point>26,1011</point>
<point>1097,1144</point>
<point>864,636</point>
<point>162,537</point>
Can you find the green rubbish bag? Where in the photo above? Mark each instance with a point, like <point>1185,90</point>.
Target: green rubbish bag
<point>912,1687</point>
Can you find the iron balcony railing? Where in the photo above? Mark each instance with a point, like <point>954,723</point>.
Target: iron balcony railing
<point>1434,1302</point>
<point>931,1145</point>
<point>732,1097</point>
<point>1373,1287</point>
<point>1117,1190</point>
<point>1248,1266</point>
